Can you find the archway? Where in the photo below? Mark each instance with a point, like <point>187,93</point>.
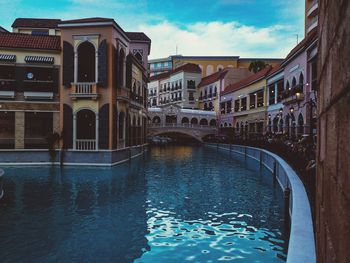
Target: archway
<point>300,124</point>
<point>185,120</point>
<point>212,122</point>
<point>210,106</point>
<point>170,119</point>
<point>194,121</point>
<point>275,124</point>
<point>203,122</point>
<point>156,119</point>
<point>86,62</point>
<point>294,82</point>
<point>86,125</point>
<point>287,125</point>
<point>301,82</point>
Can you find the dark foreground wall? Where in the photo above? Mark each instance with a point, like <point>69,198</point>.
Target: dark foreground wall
<point>333,168</point>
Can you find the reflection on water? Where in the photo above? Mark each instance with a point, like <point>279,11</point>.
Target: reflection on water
<point>176,204</point>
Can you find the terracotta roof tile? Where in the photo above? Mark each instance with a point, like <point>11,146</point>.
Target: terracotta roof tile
<point>36,23</point>
<point>245,82</point>
<point>137,36</point>
<point>15,40</point>
<point>213,77</point>
<point>160,76</point>
<point>274,70</point>
<point>188,67</point>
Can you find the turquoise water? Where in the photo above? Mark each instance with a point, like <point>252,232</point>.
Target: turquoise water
<point>175,204</point>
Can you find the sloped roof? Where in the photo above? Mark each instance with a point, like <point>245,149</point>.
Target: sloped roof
<point>138,36</point>
<point>274,70</point>
<point>247,81</point>
<point>36,23</point>
<point>87,20</point>
<point>3,30</point>
<point>213,77</point>
<point>160,76</point>
<point>304,43</point>
<point>16,40</point>
<point>188,67</point>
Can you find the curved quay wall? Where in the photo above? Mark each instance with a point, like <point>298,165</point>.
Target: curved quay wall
<point>301,246</point>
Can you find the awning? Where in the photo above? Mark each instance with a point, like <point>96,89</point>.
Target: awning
<point>6,57</point>
<point>39,59</point>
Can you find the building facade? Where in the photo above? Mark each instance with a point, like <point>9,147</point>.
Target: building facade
<point>210,87</point>
<point>88,82</point>
<point>159,66</point>
<point>29,90</point>
<point>178,87</point>
<point>243,105</point>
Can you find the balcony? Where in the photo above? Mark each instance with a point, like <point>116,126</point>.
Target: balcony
<point>39,86</point>
<point>293,95</point>
<point>123,94</point>
<point>312,24</point>
<point>7,85</point>
<point>84,90</point>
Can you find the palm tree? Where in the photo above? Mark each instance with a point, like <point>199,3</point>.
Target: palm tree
<point>256,66</point>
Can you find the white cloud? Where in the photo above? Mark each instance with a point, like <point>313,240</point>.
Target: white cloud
<point>219,38</point>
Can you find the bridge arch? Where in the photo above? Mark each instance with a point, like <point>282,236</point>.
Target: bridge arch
<point>194,121</point>
<point>203,122</point>
<point>185,120</point>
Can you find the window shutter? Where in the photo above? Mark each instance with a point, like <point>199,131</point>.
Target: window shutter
<point>55,80</point>
<point>68,64</point>
<point>103,133</point>
<point>67,127</point>
<point>102,63</point>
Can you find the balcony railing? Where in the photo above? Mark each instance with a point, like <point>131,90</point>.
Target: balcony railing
<point>85,145</point>
<point>312,7</point>
<point>39,86</point>
<point>7,84</point>
<point>84,90</point>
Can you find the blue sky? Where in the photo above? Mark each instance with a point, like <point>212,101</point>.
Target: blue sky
<point>246,28</point>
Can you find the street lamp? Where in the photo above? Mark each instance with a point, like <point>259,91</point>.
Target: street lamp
<point>291,109</point>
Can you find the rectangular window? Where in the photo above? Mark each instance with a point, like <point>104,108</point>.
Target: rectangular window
<point>280,89</point>
<point>40,32</point>
<point>272,94</point>
<point>244,104</point>
<point>228,106</point>
<point>252,100</point>
<point>236,105</point>
<point>260,98</point>
<point>190,96</point>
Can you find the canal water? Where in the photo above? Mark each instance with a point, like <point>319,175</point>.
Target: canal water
<point>175,204</point>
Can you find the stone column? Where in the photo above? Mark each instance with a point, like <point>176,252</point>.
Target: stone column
<point>74,131</point>
<point>75,66</point>
<point>276,91</point>
<point>56,122</point>
<point>96,127</point>
<point>19,129</point>
<point>96,66</point>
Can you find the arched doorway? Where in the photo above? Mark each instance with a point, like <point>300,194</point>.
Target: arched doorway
<point>203,122</point>
<point>275,124</point>
<point>86,62</point>
<point>194,121</point>
<point>212,122</point>
<point>86,125</point>
<point>185,120</point>
<point>300,124</point>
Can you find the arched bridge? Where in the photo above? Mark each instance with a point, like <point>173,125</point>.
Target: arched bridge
<point>173,119</point>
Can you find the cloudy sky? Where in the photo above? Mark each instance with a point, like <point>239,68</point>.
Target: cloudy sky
<point>246,28</point>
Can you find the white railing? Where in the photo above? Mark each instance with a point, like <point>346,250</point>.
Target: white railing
<point>180,125</point>
<point>85,145</point>
<point>84,88</point>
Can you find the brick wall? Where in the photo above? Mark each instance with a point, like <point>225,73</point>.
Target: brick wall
<point>333,174</point>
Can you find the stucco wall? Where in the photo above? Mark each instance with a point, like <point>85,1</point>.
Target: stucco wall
<point>333,165</point>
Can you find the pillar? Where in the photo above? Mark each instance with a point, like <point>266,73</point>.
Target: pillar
<point>56,122</point>
<point>96,127</point>
<point>75,66</point>
<point>74,131</point>
<point>276,92</point>
<point>19,129</point>
<point>96,66</point>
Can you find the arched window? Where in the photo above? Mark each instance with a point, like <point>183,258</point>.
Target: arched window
<point>287,86</point>
<point>287,124</point>
<point>121,68</point>
<point>212,122</point>
<point>205,106</point>
<point>300,124</point>
<point>203,122</point>
<point>156,119</point>
<point>237,127</point>
<point>294,82</point>
<point>275,124</point>
<point>194,121</point>
<point>301,83</point>
<point>185,120</point>
<point>86,62</point>
<point>225,124</point>
<point>210,106</point>
<point>210,70</point>
<point>281,125</point>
